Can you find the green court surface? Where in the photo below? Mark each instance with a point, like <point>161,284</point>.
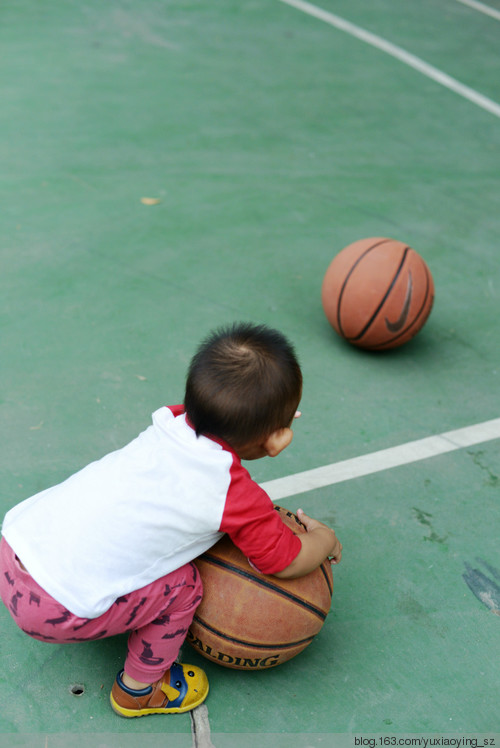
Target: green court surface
<point>269,139</point>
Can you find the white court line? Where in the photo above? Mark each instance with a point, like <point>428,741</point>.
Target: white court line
<point>391,49</point>
<point>200,728</point>
<point>375,462</point>
<point>482,8</point>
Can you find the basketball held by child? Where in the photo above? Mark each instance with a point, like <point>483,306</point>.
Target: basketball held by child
<point>252,621</point>
<point>377,293</point>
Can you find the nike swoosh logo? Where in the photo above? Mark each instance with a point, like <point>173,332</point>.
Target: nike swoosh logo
<point>398,324</point>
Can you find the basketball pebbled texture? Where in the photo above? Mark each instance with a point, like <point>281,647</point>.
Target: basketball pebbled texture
<point>377,293</point>
<point>252,621</point>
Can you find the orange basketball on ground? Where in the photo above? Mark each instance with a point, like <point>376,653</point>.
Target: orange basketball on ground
<point>252,621</point>
<point>377,293</point>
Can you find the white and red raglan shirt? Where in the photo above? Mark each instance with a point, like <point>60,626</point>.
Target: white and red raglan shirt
<point>141,512</point>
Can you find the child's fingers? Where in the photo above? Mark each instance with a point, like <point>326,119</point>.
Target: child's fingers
<point>303,517</point>
<point>336,556</point>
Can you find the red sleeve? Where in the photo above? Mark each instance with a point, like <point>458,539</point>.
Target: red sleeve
<point>253,525</point>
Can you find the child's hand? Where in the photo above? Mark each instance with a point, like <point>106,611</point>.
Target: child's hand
<point>318,543</point>
<point>335,553</point>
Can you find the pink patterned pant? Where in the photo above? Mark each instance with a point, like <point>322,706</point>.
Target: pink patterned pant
<point>157,616</point>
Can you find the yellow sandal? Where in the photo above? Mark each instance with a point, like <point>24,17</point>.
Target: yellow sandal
<point>180,689</point>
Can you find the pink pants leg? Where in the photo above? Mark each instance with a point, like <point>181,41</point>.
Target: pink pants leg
<point>157,616</point>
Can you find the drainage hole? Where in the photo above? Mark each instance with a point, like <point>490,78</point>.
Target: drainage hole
<point>78,689</point>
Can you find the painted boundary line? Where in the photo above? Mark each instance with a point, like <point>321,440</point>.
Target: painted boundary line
<point>200,728</point>
<point>482,8</point>
<point>375,462</point>
<point>400,54</point>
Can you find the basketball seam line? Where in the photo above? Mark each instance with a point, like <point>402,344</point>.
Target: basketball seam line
<point>349,275</point>
<point>269,585</point>
<point>327,579</point>
<point>255,645</point>
<point>415,319</point>
<point>384,299</point>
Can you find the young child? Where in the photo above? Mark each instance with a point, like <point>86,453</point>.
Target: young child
<point>109,550</point>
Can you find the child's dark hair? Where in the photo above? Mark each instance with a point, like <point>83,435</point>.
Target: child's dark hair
<point>244,383</point>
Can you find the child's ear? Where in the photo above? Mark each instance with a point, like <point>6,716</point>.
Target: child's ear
<point>278,441</point>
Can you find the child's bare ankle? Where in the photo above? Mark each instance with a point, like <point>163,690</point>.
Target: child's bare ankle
<point>136,685</point>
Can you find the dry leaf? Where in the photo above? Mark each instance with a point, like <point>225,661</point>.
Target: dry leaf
<point>150,200</point>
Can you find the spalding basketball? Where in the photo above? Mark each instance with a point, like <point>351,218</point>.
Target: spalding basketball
<point>377,293</point>
<point>252,621</point>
